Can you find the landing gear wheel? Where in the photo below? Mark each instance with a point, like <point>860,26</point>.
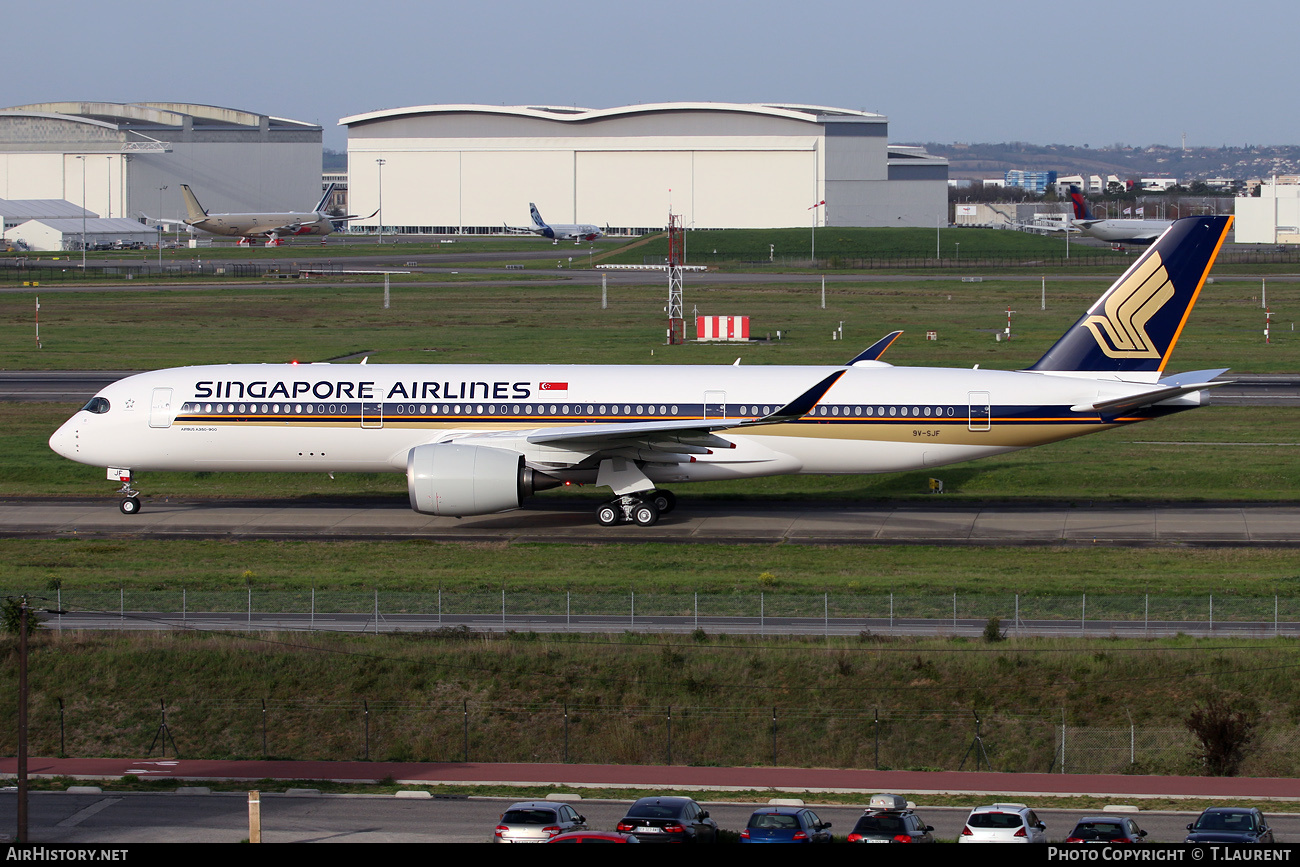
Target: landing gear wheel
<point>608,515</point>
<point>645,514</point>
<point>130,505</point>
<point>665,501</point>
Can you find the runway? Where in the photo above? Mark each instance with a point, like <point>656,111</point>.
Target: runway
<point>705,521</point>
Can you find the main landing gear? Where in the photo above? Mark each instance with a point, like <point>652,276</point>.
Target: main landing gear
<point>641,509</point>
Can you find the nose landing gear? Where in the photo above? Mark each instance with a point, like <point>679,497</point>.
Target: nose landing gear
<point>130,504</point>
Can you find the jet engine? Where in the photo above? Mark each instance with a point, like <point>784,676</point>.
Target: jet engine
<point>454,480</point>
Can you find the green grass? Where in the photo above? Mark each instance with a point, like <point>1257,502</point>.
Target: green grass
<point>423,691</point>
<point>462,320</point>
<point>724,571</point>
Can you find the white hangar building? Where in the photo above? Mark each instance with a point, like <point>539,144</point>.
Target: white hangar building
<point>120,155</point>
<point>473,168</point>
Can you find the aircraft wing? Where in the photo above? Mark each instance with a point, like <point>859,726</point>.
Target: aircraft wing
<point>674,441</point>
<point>346,217</point>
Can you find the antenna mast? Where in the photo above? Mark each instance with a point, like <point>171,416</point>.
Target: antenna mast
<point>676,254</point>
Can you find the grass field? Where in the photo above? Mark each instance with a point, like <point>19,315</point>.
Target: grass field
<point>529,321</point>
<point>733,700</point>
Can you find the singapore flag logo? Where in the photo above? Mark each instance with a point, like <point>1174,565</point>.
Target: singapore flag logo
<point>555,386</point>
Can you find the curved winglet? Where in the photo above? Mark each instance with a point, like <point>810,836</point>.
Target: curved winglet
<point>875,350</point>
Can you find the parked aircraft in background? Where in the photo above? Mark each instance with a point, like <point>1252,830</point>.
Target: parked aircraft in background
<point>270,226</point>
<point>558,232</point>
<point>477,439</point>
<point>1114,231</point>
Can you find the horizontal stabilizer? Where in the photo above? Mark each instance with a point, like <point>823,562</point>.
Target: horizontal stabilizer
<point>875,350</point>
<point>1121,405</point>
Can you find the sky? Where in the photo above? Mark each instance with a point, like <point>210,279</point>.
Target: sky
<point>1096,73</point>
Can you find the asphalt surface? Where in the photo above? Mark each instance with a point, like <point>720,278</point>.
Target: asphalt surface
<point>736,522</point>
<point>303,815</point>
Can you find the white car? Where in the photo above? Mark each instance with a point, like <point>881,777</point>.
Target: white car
<point>1003,823</point>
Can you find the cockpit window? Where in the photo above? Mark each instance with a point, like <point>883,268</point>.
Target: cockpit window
<point>96,405</point>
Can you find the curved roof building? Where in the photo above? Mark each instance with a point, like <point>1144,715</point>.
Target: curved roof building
<point>474,168</point>
<point>118,156</point>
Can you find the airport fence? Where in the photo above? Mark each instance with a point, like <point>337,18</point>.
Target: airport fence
<point>1107,259</point>
<point>468,730</point>
<point>751,612</point>
<point>28,273</point>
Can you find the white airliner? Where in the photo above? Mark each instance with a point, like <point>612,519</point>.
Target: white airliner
<point>270,226</point>
<point>558,232</point>
<point>1115,231</point>
<point>478,439</point>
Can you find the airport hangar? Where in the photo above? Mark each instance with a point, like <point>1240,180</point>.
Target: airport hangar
<point>474,168</point>
<point>235,161</point>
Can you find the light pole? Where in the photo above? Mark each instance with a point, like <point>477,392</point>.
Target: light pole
<point>160,225</point>
<point>83,213</point>
<point>380,163</point>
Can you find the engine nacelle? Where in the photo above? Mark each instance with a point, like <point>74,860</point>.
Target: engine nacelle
<point>453,480</point>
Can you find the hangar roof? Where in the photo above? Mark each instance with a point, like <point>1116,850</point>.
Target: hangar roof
<point>156,114</point>
<point>571,114</point>
<point>13,210</point>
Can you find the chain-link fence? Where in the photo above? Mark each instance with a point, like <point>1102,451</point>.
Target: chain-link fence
<point>809,614</point>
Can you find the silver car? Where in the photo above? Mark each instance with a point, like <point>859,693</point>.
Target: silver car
<point>537,822</point>
<point>1003,823</point>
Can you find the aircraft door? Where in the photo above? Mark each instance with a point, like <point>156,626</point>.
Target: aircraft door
<point>372,414</point>
<point>981,411</point>
<point>160,408</point>
<point>715,404</point>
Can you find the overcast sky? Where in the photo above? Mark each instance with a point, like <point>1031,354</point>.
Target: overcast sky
<point>1093,73</point>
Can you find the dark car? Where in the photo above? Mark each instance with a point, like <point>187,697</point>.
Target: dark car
<point>669,820</point>
<point>1230,825</point>
<point>785,825</point>
<point>1107,829</point>
<point>594,837</point>
<point>890,819</point>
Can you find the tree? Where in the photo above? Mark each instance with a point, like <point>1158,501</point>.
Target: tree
<point>11,617</point>
<point>1222,735</point>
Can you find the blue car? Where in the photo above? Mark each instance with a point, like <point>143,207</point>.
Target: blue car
<point>785,825</point>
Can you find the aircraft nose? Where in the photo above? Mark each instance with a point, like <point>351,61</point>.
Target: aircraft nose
<point>64,440</point>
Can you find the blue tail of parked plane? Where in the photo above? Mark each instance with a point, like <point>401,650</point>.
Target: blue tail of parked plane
<point>1134,326</point>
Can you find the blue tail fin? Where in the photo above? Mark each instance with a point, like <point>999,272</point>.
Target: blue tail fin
<point>1134,326</point>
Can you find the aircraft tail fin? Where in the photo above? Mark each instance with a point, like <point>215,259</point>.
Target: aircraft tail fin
<point>192,206</point>
<point>538,222</point>
<point>1081,209</point>
<point>324,200</point>
<point>1134,326</point>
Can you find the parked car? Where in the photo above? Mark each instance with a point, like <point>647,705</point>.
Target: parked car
<point>1230,825</point>
<point>1003,823</point>
<point>785,825</point>
<point>669,820</point>
<point>890,819</point>
<point>537,822</point>
<point>593,837</point>
<point>1107,829</point>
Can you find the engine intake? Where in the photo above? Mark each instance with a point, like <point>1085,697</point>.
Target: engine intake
<point>454,480</point>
